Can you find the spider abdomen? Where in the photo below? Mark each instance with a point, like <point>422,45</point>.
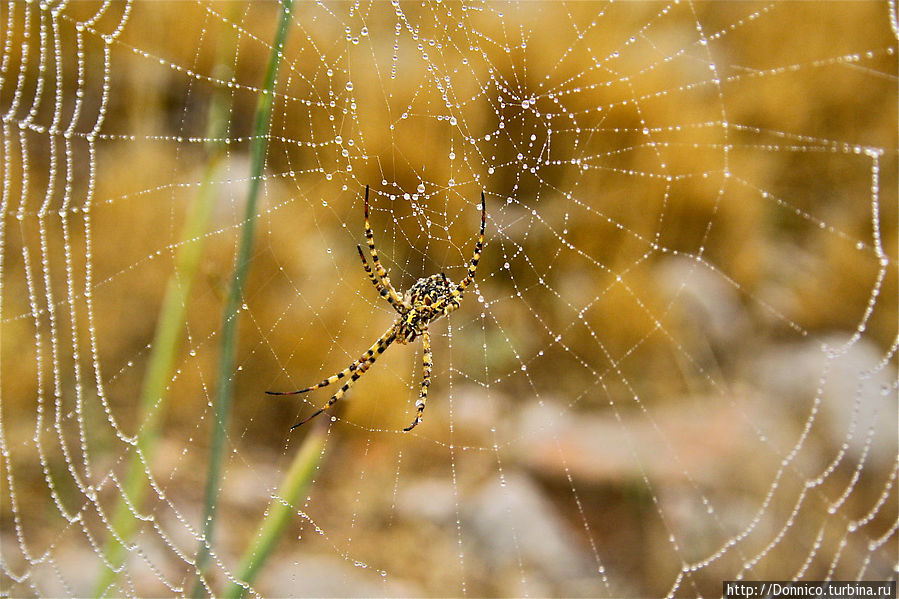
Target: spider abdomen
<point>427,300</point>
<point>433,287</point>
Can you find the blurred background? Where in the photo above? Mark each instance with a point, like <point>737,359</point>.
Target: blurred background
<point>677,364</point>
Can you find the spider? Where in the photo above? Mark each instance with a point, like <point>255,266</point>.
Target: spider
<point>426,301</point>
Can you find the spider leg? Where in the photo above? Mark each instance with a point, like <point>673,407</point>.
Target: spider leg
<point>425,380</point>
<point>473,265</point>
<point>354,370</point>
<point>379,270</point>
<point>385,293</point>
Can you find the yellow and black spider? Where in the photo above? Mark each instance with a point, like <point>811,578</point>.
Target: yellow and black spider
<point>426,301</point>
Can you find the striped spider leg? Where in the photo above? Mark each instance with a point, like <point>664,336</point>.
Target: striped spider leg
<point>427,300</point>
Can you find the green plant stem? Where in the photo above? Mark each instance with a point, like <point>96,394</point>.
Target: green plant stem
<point>231,313</point>
<point>281,509</point>
<point>166,343</point>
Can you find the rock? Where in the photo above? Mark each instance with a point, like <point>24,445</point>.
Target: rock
<point>705,299</point>
<point>432,499</point>
<point>856,385</point>
<point>704,439</point>
<point>328,576</point>
<point>521,535</point>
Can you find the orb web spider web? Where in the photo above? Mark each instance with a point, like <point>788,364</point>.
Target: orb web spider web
<point>426,301</point>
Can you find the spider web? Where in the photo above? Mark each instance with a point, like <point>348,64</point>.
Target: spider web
<point>676,366</point>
